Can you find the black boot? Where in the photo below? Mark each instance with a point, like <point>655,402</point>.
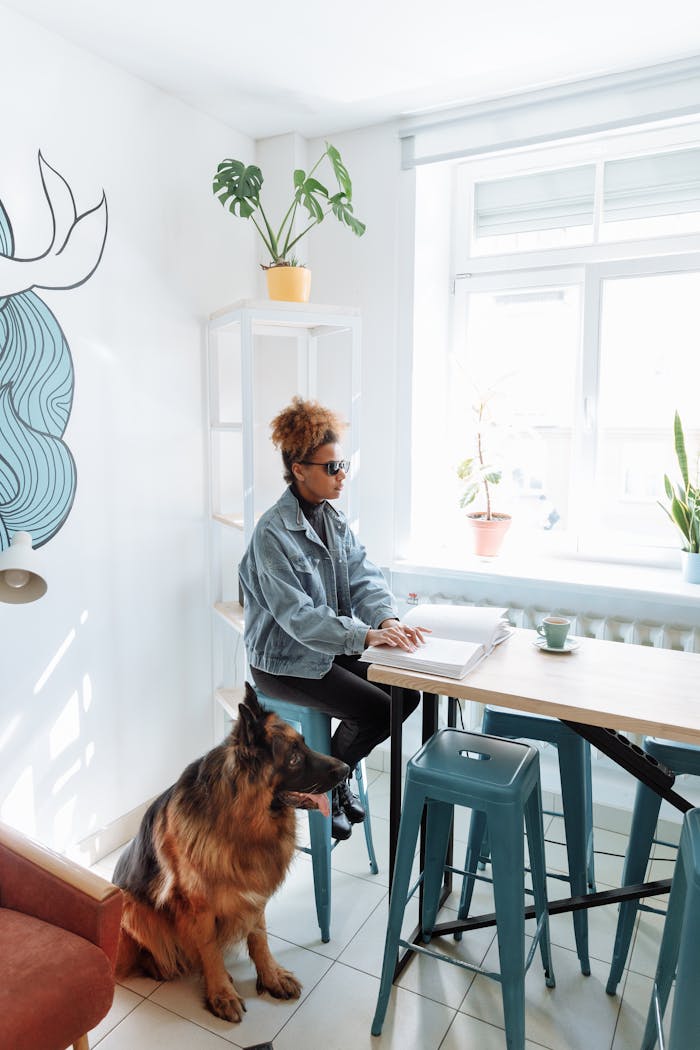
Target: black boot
<point>340,825</point>
<point>350,803</point>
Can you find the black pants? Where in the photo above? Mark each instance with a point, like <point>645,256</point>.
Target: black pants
<point>364,708</point>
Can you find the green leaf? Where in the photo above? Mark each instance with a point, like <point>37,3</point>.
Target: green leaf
<point>307,193</point>
<point>680,448</point>
<point>341,172</point>
<point>469,495</point>
<point>238,187</point>
<point>342,209</point>
<point>668,486</point>
<point>681,516</point>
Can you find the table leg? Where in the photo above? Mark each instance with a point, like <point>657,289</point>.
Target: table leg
<point>631,757</point>
<point>395,777</point>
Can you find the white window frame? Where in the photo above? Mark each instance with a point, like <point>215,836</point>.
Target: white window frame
<point>588,264</point>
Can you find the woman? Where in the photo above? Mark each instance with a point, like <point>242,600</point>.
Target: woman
<point>314,602</point>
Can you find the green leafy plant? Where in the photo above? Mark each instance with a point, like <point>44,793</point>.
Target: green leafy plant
<point>238,187</point>
<point>475,472</point>
<point>684,501</point>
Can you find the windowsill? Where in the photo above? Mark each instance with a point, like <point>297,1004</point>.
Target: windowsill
<point>585,574</point>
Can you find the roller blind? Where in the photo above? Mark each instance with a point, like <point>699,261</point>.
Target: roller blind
<point>544,201</point>
<point>661,184</point>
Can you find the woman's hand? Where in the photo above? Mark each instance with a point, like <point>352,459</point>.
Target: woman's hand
<point>397,635</point>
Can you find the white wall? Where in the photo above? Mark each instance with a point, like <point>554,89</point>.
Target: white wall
<point>365,272</point>
<point>124,627</point>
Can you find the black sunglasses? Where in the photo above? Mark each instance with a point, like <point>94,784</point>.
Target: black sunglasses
<point>332,466</point>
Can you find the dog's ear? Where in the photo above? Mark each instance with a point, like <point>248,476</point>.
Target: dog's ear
<point>251,701</point>
<point>251,721</point>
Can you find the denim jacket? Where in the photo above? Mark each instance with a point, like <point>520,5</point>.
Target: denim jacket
<point>291,583</point>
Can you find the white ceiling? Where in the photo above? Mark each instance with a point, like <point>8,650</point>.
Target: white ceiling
<point>276,66</point>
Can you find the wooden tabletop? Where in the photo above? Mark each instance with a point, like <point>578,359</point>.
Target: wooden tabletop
<point>636,688</point>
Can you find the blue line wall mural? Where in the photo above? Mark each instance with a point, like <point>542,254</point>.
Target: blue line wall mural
<point>37,471</point>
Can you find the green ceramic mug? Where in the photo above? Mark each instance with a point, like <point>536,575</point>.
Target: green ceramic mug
<point>554,630</point>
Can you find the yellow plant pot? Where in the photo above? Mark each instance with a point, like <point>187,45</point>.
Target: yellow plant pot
<point>289,283</point>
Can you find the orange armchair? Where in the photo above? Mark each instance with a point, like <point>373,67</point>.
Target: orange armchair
<point>59,930</point>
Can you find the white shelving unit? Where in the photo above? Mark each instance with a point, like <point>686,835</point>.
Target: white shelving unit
<point>260,354</point>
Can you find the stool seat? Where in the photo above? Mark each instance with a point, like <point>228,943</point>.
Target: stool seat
<point>679,758</point>
<point>679,955</point>
<point>499,780</point>
<point>489,766</point>
<point>315,727</point>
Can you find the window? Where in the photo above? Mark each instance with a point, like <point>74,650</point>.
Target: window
<point>574,310</point>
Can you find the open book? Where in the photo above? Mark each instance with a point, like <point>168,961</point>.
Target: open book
<point>462,636</point>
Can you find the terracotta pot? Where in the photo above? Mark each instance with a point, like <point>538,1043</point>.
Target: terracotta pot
<point>488,535</point>
<point>289,283</point>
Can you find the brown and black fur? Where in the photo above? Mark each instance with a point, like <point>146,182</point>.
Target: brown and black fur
<point>211,851</point>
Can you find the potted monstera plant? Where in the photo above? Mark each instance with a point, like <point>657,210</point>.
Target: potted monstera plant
<point>238,187</point>
<point>480,477</point>
<point>684,505</point>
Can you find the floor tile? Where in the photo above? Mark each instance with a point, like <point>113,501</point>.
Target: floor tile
<point>264,1016</point>
<point>644,955</point>
<point>338,1016</point>
<point>467,1031</point>
<point>291,913</point>
<point>633,1013</point>
<point>434,979</point>
<point>124,1002</point>
<point>553,1015</point>
<point>149,1027</point>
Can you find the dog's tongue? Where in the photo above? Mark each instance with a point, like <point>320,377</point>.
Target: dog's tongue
<point>305,800</point>
<point>321,803</point>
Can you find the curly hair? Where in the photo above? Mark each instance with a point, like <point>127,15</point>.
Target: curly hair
<point>301,428</point>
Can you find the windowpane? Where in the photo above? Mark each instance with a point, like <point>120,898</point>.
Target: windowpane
<point>649,367</point>
<point>661,184</point>
<point>545,209</point>
<point>519,352</point>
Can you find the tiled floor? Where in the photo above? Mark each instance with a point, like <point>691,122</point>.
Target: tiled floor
<point>435,1005</point>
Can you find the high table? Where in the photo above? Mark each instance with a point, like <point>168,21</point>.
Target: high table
<point>598,689</point>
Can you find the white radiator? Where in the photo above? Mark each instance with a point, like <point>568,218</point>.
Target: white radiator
<point>612,628</point>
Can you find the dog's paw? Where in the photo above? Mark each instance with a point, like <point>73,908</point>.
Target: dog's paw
<point>226,1003</point>
<point>280,983</point>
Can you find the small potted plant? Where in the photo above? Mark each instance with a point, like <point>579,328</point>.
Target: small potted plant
<point>684,506</point>
<point>479,476</point>
<point>238,187</point>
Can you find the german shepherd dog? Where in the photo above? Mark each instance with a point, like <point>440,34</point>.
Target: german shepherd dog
<point>211,851</point>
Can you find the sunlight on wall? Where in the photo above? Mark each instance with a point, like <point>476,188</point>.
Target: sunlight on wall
<point>66,728</point>
<point>87,692</point>
<point>9,730</point>
<point>55,660</point>
<point>18,807</point>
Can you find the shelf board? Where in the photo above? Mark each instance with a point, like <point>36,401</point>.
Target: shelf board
<point>232,613</point>
<point>236,428</point>
<point>234,521</point>
<point>269,313</point>
<point>230,699</point>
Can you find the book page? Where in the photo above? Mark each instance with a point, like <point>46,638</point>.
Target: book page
<point>442,656</point>
<point>473,623</point>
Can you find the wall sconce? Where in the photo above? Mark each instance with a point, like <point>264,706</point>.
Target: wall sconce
<point>19,580</point>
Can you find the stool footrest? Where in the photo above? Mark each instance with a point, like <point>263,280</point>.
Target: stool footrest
<point>472,967</point>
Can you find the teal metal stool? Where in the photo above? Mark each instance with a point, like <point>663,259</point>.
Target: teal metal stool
<point>679,955</point>
<point>574,755</point>
<point>679,758</point>
<point>499,780</point>
<point>315,727</point>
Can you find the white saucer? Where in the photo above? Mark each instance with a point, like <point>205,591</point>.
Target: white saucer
<point>568,647</point>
